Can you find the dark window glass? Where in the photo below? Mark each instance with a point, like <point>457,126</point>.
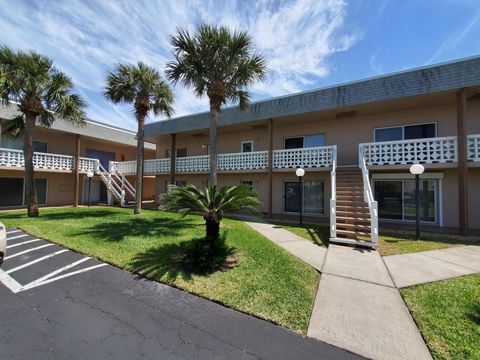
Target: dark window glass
<point>388,134</point>
<point>247,182</point>
<point>389,197</point>
<point>181,152</point>
<point>40,146</point>
<point>427,200</point>
<point>294,143</point>
<point>11,191</point>
<point>292,196</point>
<point>181,183</point>
<point>314,140</point>
<point>313,197</point>
<point>247,147</point>
<point>41,187</point>
<point>419,131</point>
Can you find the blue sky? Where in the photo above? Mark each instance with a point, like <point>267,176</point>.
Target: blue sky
<point>308,44</point>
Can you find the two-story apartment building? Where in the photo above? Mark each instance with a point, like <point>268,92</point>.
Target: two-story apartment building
<point>63,156</point>
<point>356,142</point>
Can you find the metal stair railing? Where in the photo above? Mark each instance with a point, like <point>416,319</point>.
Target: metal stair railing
<point>333,199</point>
<point>118,175</point>
<point>113,187</point>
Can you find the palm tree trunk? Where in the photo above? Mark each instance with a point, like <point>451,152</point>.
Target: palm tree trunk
<point>140,156</point>
<point>214,116</point>
<point>30,191</point>
<point>212,230</point>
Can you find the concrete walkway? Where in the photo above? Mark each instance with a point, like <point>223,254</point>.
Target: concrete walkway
<point>435,265</point>
<point>357,306</point>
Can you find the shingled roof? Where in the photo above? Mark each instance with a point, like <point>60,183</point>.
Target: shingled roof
<point>419,81</point>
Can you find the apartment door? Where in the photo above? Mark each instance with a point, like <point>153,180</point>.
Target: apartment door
<point>291,196</point>
<point>103,156</point>
<point>95,191</point>
<point>396,199</point>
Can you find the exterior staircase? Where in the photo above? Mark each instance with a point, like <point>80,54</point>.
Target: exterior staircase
<point>353,220</point>
<point>118,187</point>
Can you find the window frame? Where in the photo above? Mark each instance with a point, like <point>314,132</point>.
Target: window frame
<point>322,214</point>
<point>403,129</point>
<point>242,182</point>
<point>303,137</point>
<point>247,142</point>
<point>43,142</point>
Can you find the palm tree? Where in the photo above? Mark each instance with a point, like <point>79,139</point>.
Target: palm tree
<point>212,203</point>
<point>142,86</point>
<point>41,91</point>
<point>220,64</point>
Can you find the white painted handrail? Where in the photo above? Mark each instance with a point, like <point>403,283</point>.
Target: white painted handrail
<point>473,148</point>
<point>87,164</point>
<point>368,197</point>
<point>438,150</point>
<point>124,183</point>
<point>314,157</point>
<point>156,166</point>
<point>333,199</point>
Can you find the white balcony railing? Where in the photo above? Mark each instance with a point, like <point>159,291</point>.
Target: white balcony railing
<point>156,166</point>
<point>473,148</point>
<point>44,161</point>
<point>193,164</point>
<point>315,157</point>
<point>243,161</point>
<point>87,164</point>
<point>439,150</point>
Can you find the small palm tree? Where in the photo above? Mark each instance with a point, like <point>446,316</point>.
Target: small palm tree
<point>220,64</point>
<point>142,86</point>
<point>41,91</point>
<point>212,203</point>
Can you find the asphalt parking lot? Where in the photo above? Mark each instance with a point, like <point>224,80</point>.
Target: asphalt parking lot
<point>58,304</point>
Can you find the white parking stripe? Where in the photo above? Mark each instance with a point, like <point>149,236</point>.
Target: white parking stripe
<point>36,283</point>
<point>13,231</point>
<point>9,282</point>
<point>58,271</point>
<point>36,261</point>
<point>27,251</point>
<point>23,243</point>
<point>17,237</point>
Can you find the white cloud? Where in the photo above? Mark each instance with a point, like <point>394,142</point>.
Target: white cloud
<point>87,38</point>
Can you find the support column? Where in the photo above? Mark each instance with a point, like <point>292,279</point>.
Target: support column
<point>270,166</point>
<point>76,171</point>
<point>462,162</point>
<point>173,157</point>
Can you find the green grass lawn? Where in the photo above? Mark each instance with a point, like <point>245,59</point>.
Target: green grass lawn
<point>267,282</point>
<point>448,315</point>
<point>390,242</point>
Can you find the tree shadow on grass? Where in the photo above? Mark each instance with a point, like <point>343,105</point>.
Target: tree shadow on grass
<point>393,237</point>
<point>137,227</point>
<point>180,260</point>
<point>63,214</point>
<point>474,314</point>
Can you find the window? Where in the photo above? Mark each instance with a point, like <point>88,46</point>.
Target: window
<point>396,199</point>
<point>249,183</point>
<point>247,146</point>
<point>40,146</point>
<point>182,183</point>
<point>12,191</point>
<point>313,191</point>
<point>304,141</point>
<point>406,132</point>
<point>182,152</point>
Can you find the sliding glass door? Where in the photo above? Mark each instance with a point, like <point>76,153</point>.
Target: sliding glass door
<point>313,192</point>
<point>396,199</point>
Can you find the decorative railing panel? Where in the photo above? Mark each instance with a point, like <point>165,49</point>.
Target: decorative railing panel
<point>438,150</point>
<point>87,164</point>
<point>193,164</point>
<point>126,167</point>
<point>315,157</point>
<point>44,161</point>
<point>473,148</point>
<point>243,161</point>
<point>156,166</point>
